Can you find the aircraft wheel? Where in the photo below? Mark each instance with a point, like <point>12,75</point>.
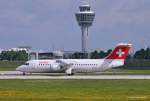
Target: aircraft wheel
<point>24,73</point>
<point>70,74</point>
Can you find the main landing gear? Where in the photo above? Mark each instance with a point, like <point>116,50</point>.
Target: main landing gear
<point>70,74</point>
<point>23,73</point>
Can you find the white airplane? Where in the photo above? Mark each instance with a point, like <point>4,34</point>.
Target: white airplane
<point>70,66</point>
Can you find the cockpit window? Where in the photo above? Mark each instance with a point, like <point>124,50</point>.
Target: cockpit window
<point>26,63</point>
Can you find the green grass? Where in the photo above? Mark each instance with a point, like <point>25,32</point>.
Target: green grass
<point>10,64</point>
<point>7,69</point>
<point>74,90</point>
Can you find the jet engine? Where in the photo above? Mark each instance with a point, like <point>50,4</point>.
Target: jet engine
<point>56,67</point>
<point>60,65</point>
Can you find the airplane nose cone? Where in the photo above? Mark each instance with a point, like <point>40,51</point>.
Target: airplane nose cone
<point>19,68</point>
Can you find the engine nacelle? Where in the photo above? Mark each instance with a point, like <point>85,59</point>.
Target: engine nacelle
<point>56,67</point>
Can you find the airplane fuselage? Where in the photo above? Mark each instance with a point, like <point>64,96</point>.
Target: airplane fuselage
<point>69,66</point>
<point>77,65</point>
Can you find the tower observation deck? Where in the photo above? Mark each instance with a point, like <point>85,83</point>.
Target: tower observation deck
<point>85,18</point>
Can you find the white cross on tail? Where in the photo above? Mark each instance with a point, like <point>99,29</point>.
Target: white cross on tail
<point>120,53</point>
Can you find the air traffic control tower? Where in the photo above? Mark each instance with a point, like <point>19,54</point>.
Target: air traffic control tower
<point>85,18</point>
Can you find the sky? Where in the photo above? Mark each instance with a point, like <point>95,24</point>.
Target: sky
<point>51,24</point>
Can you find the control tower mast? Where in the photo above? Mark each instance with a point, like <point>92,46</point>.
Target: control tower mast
<point>85,18</point>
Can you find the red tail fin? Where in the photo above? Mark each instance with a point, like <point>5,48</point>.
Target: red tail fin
<point>120,52</point>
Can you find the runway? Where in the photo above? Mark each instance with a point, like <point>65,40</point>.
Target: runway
<point>100,77</point>
<point>18,75</point>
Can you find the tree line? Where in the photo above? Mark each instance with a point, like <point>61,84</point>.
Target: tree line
<point>23,55</point>
<point>142,54</point>
<point>14,56</point>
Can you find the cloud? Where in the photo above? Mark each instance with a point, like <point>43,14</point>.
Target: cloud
<point>40,22</point>
<point>125,13</point>
<point>121,21</point>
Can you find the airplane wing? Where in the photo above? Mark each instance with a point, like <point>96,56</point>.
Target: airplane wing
<point>66,66</point>
<point>63,63</point>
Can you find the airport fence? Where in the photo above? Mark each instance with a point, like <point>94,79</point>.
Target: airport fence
<point>137,64</point>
